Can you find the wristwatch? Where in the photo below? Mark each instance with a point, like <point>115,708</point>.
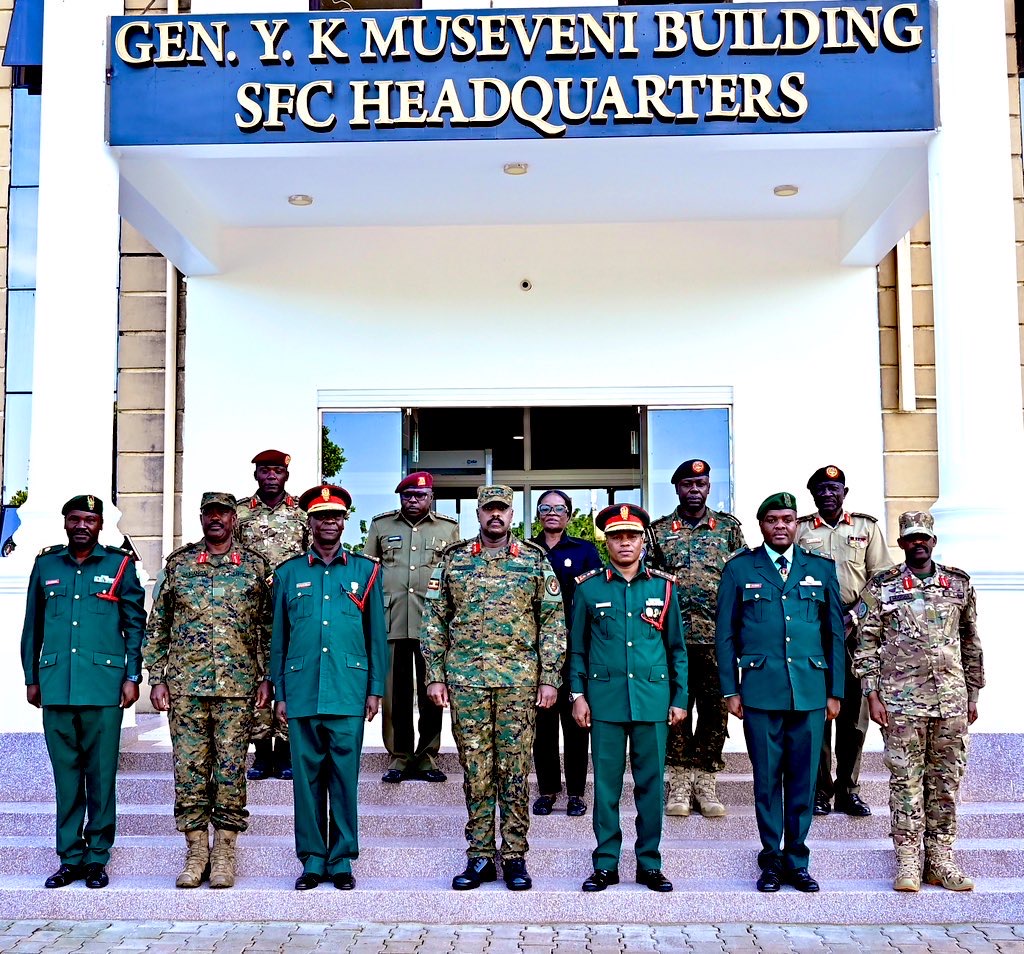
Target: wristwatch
<point>135,679</point>
<point>575,695</point>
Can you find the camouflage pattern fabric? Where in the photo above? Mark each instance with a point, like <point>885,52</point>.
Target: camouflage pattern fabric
<point>855,543</point>
<point>918,642</point>
<point>695,555</point>
<point>701,748</point>
<point>277,533</point>
<point>209,738</point>
<point>208,633</point>
<point>493,731</point>
<point>926,758</point>
<point>494,619</point>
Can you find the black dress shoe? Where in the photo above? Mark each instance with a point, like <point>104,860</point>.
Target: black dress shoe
<point>600,879</point>
<point>516,877</point>
<point>653,878</point>
<point>285,773</point>
<point>432,775</point>
<point>543,805</point>
<point>64,875</point>
<point>575,806</point>
<point>821,805</point>
<point>96,876</point>
<point>477,870</point>
<point>392,775</point>
<point>801,880</point>
<point>307,881</point>
<point>769,881</point>
<point>853,805</point>
<point>344,881</point>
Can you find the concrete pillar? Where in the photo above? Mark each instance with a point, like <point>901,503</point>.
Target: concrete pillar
<point>977,350</point>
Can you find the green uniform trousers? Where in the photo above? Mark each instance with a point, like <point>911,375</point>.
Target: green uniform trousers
<point>851,727</point>
<point>406,676</point>
<point>701,748</point>
<point>493,731</point>
<point>83,742</point>
<point>325,765</point>
<point>646,742</point>
<point>210,739</point>
<point>265,725</point>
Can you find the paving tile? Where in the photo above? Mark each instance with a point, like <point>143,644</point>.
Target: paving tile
<point>1008,945</point>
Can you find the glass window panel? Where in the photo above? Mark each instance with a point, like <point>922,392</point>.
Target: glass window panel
<point>21,314</point>
<point>25,139</point>
<point>17,428</point>
<point>675,435</point>
<point>21,260</point>
<point>462,507</point>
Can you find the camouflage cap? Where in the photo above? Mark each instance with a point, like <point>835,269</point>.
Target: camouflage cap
<point>87,503</point>
<point>217,498</point>
<point>496,493</point>
<point>916,522</point>
<point>778,501</point>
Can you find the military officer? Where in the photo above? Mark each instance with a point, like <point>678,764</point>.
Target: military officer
<point>569,557</point>
<point>329,659</point>
<point>694,542</point>
<point>920,662</point>
<point>206,649</point>
<point>408,542</point>
<point>493,640</point>
<point>81,649</point>
<point>627,671</point>
<point>272,523</point>
<point>780,624</point>
<point>855,542</point>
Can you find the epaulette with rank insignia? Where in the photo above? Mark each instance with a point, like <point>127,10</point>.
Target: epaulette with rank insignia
<point>727,517</point>
<point>806,518</point>
<point>588,575</point>
<point>955,570</point>
<point>662,574</point>
<point>457,544</point>
<point>175,555</point>
<point>888,574</point>
<point>51,549</point>
<point>365,556</point>
<point>740,552</point>
<point>387,513</point>
<point>866,516</point>
<point>444,516</point>
<point>819,556</point>
<point>530,545</point>
<point>294,556</point>
<point>123,551</point>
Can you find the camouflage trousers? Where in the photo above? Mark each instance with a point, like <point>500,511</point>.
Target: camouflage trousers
<point>701,748</point>
<point>266,726</point>
<point>493,731</point>
<point>926,758</point>
<point>210,739</point>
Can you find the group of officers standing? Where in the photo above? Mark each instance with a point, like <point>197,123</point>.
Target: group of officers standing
<point>268,629</point>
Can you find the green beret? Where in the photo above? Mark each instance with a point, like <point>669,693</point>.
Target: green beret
<point>777,501</point>
<point>87,503</point>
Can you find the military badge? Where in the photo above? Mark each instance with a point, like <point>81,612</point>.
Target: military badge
<point>712,523</point>
<point>861,610</point>
<point>832,472</point>
<point>624,512</point>
<point>421,481</point>
<point>91,501</point>
<point>551,585</point>
<point>287,459</point>
<point>325,493</point>
<point>697,467</point>
<point>908,583</point>
<point>676,525</point>
<point>433,584</point>
<point>51,582</point>
<point>568,562</point>
<point>354,586</point>
<point>652,612</point>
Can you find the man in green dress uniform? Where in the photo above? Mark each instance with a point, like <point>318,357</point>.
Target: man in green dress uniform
<point>328,656</point>
<point>627,674</point>
<point>81,649</point>
<point>780,623</point>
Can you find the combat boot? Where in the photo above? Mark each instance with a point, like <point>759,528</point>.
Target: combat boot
<point>941,869</point>
<point>197,860</point>
<point>222,858</point>
<point>283,760</point>
<point>908,868</point>
<point>706,795</point>
<point>680,782</point>
<point>262,761</point>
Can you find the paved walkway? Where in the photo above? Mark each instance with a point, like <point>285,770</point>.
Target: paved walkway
<point>50,937</point>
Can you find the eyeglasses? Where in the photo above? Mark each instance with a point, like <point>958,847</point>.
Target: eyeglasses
<point>414,495</point>
<point>545,509</point>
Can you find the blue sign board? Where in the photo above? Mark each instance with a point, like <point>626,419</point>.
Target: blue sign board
<point>527,73</point>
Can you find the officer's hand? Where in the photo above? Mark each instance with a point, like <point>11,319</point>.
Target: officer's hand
<point>972,712</point>
<point>281,712</point>
<point>263,694</point>
<point>581,712</point>
<point>32,695</point>
<point>129,694</point>
<point>877,711</point>
<point>735,706</point>
<point>160,697</point>
<point>849,623</point>
<point>372,707</point>
<point>832,708</point>
<point>437,693</point>
<point>676,715</point>
<point>547,696</point>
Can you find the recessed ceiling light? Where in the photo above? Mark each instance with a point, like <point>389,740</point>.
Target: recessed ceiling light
<point>300,199</point>
<point>515,168</point>
<point>785,191</point>
<point>518,437</point>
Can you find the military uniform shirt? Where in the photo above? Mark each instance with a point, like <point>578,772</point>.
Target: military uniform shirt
<point>493,619</point>
<point>696,555</point>
<point>855,544</point>
<point>276,533</point>
<point>209,630</point>
<point>408,553</point>
<point>76,645</point>
<point>918,643</point>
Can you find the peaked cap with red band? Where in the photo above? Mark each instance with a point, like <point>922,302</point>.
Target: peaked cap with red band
<point>326,497</point>
<point>691,468</point>
<point>623,517</point>
<point>420,480</point>
<point>272,458</point>
<point>829,472</point>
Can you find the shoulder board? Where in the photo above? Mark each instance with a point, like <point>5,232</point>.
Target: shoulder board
<point>120,551</point>
<point>365,556</point>
<point>180,552</point>
<point>955,570</point>
<point>249,552</point>
<point>863,516</point>
<point>295,556</point>
<point>890,573</point>
<point>535,547</point>
<point>806,518</point>
<point>457,544</point>
<point>816,556</point>
<point>387,513</point>
<point>662,574</point>
<point>742,551</point>
<point>52,549</point>
<point>668,517</point>
<point>442,516</point>
<point>586,576</point>
<point>726,517</point>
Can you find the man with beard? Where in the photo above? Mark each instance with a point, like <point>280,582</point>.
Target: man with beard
<point>81,651</point>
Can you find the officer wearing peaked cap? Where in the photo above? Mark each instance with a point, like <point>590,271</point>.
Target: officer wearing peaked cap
<point>81,650</point>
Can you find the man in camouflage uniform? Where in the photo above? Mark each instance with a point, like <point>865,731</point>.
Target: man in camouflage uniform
<point>693,543</point>
<point>272,523</point>
<point>408,542</point>
<point>855,542</point>
<point>920,664</point>
<point>493,640</point>
<point>206,649</point>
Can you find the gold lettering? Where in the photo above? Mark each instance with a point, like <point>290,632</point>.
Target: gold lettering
<point>144,54</point>
<point>794,102</point>
<point>462,31</point>
<point>910,37</point>
<point>671,32</point>
<point>869,32</point>
<point>248,99</point>
<point>492,31</point>
<point>302,106</point>
<point>651,91</point>
<point>811,24</point>
<point>700,43</point>
<point>563,36</point>
<point>410,99</point>
<point>593,31</point>
<point>564,87</point>
<point>757,43</point>
<point>361,103</point>
<point>325,30</point>
<point>480,86</point>
<point>628,47</point>
<point>392,45</point>
<point>270,38</point>
<point>538,119</point>
<point>170,41</point>
<point>832,41</point>
<point>687,86</point>
<point>723,96</point>
<point>527,40</point>
<point>419,43</point>
<point>448,101</point>
<point>611,98</point>
<point>756,87</point>
<point>201,37</point>
<point>282,103</point>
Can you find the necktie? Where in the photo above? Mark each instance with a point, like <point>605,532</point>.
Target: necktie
<point>783,565</point>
